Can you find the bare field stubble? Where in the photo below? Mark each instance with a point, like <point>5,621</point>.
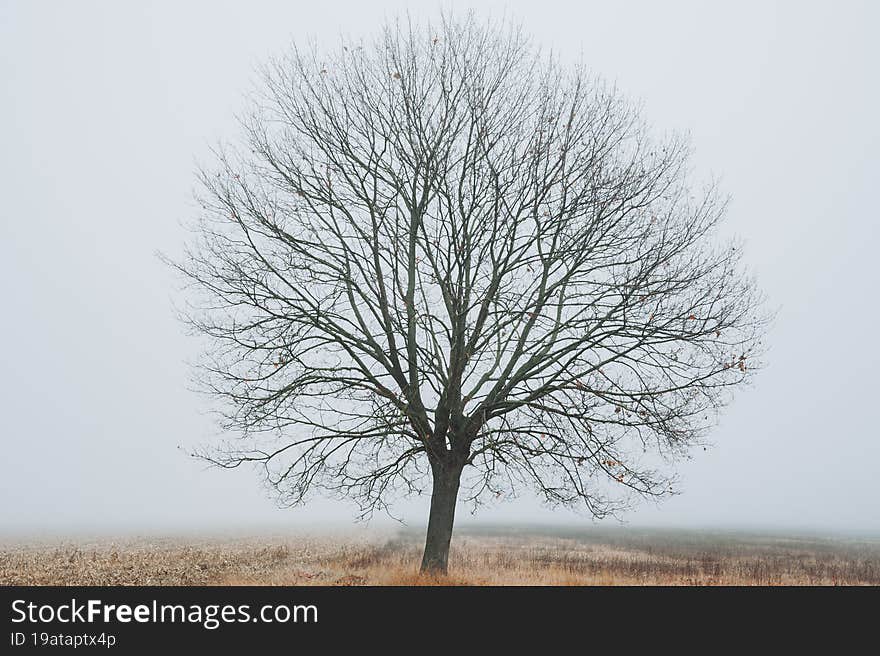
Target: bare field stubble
<point>479,557</point>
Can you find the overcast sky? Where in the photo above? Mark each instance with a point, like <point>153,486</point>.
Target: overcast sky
<point>106,107</point>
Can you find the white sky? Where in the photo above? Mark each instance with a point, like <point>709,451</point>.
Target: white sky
<point>105,107</point>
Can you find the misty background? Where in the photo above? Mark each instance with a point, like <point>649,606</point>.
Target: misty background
<point>105,109</point>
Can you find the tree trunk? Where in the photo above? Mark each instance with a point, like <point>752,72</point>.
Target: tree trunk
<point>440,520</point>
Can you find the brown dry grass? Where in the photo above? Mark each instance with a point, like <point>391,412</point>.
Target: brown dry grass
<point>479,557</point>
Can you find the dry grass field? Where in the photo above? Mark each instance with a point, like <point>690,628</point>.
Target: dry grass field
<point>486,556</point>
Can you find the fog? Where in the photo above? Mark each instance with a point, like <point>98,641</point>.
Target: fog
<point>105,109</point>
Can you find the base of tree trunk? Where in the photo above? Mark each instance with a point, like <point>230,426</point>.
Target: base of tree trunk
<point>440,521</point>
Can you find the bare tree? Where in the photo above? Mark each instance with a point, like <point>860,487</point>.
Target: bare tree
<point>445,259</point>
